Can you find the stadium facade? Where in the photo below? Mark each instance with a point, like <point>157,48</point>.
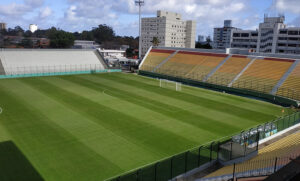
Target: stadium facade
<point>170,30</point>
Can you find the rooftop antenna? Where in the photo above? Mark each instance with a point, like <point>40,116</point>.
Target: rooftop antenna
<point>140,3</point>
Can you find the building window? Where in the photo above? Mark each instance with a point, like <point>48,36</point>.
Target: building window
<point>293,33</point>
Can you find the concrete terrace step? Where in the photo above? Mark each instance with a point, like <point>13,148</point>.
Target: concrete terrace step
<point>101,59</point>
<point>2,71</point>
<point>241,73</point>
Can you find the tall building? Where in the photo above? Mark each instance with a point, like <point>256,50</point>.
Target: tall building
<point>222,36</point>
<point>288,41</point>
<point>268,34</point>
<point>170,30</point>
<point>33,28</point>
<point>273,36</point>
<point>201,38</point>
<point>2,26</point>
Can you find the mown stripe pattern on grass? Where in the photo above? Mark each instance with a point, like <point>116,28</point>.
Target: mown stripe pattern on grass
<point>91,127</point>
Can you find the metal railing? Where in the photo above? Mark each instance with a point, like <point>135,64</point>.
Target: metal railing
<point>255,168</point>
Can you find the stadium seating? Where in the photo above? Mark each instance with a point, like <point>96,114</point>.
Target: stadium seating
<point>154,58</point>
<point>263,74</point>
<point>260,74</point>
<point>284,147</point>
<point>191,64</point>
<point>41,61</point>
<point>232,67</point>
<point>291,86</point>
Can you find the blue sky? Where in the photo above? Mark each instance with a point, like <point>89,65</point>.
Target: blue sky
<point>78,15</point>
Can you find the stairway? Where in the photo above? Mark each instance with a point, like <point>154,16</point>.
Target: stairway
<point>163,62</point>
<point>2,71</point>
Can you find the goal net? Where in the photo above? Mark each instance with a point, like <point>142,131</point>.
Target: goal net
<point>170,84</point>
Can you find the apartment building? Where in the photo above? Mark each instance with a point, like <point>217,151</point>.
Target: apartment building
<point>288,41</point>
<point>222,36</point>
<point>268,34</point>
<point>2,26</point>
<point>169,29</point>
<point>273,36</point>
<point>246,39</point>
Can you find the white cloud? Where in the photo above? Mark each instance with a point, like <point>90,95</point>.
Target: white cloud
<point>19,9</point>
<point>208,14</point>
<point>45,12</point>
<point>85,14</point>
<point>292,6</point>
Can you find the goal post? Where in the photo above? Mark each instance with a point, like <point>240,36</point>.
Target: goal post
<point>164,83</point>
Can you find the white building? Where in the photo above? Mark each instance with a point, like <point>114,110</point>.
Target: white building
<point>268,34</point>
<point>33,28</point>
<point>288,41</point>
<point>113,57</point>
<point>222,36</point>
<point>273,36</point>
<point>246,39</point>
<point>85,44</point>
<point>2,26</point>
<point>170,30</point>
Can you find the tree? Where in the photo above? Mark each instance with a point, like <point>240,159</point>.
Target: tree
<point>205,45</point>
<point>103,33</point>
<point>87,35</point>
<point>155,41</point>
<point>28,34</point>
<point>60,38</point>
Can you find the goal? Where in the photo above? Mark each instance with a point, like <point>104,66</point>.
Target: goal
<point>170,84</point>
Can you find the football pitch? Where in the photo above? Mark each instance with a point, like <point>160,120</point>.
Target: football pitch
<point>93,127</point>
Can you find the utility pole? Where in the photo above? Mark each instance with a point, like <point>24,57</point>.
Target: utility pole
<point>140,3</point>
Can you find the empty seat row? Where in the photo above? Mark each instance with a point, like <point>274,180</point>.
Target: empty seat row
<point>263,75</point>
<point>291,87</point>
<point>251,73</point>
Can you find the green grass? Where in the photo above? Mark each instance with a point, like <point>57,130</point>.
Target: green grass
<point>92,127</point>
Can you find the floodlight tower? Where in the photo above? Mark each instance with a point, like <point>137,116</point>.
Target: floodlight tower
<point>140,3</point>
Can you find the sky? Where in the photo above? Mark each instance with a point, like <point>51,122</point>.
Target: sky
<point>122,15</point>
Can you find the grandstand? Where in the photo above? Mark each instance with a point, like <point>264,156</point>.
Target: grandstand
<point>229,70</point>
<point>41,61</point>
<point>190,64</point>
<point>264,74</point>
<point>286,147</point>
<point>275,76</point>
<point>155,57</point>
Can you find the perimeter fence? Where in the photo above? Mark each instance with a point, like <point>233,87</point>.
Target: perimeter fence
<point>50,70</point>
<point>226,149</point>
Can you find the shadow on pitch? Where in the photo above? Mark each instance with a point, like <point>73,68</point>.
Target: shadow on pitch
<point>14,166</point>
